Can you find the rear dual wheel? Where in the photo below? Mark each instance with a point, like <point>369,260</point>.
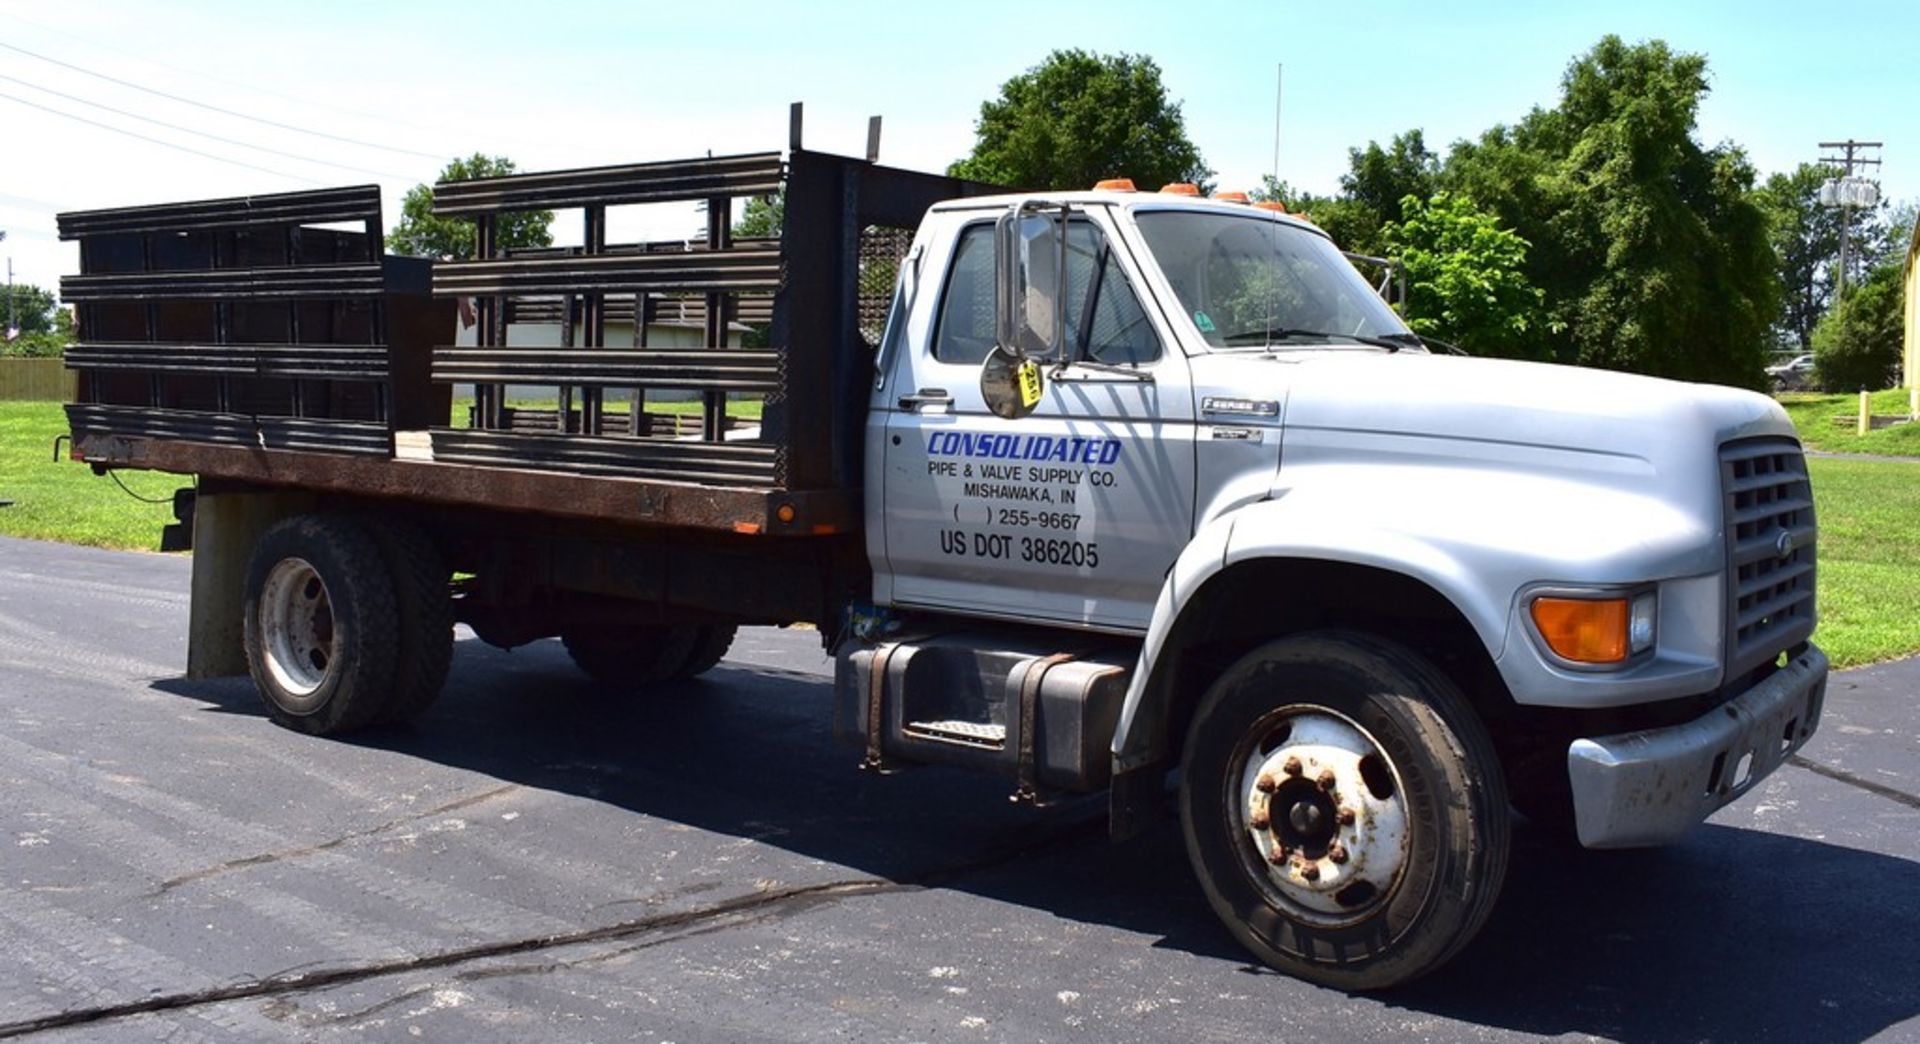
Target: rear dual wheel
<point>1344,810</point>
<point>344,624</point>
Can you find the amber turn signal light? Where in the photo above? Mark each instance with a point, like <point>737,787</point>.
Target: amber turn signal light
<point>1583,630</point>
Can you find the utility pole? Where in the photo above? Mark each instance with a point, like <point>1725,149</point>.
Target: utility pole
<point>1850,156</point>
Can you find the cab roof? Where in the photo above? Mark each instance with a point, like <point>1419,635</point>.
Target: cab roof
<point>1129,200</point>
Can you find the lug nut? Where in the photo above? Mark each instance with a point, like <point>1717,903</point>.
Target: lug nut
<point>1292,766</point>
<point>1277,855</point>
<point>1337,852</point>
<point>1309,869</point>
<point>1345,816</point>
<point>1266,784</point>
<point>1260,820</point>
<point>1325,780</point>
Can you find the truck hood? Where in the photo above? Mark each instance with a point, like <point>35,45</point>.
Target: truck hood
<point>1518,403</point>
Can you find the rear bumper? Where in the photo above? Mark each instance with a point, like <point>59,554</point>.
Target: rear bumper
<point>1650,787</point>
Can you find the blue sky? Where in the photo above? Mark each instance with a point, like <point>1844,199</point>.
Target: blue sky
<point>590,83</point>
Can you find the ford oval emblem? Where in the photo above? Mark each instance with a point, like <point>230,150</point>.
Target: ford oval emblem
<point>1784,544</point>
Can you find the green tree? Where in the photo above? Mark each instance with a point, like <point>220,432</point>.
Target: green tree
<point>1650,248</point>
<point>1079,117</point>
<point>763,217</point>
<point>1376,182</point>
<point>30,309</point>
<point>1857,344</point>
<point>1466,278</point>
<point>420,233</point>
<point>45,328</point>
<point>47,343</point>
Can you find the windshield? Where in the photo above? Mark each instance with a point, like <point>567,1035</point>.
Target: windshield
<point>1254,282</point>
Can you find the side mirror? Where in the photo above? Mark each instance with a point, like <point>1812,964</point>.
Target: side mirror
<point>1030,281</point>
<point>1030,273</point>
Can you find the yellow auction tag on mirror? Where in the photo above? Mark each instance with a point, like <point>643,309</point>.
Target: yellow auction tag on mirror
<point>1027,378</point>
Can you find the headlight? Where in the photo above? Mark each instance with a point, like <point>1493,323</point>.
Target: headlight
<point>1640,622</point>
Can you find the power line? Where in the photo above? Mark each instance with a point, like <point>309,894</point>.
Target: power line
<point>386,118</point>
<point>156,141</point>
<point>204,134</point>
<point>215,108</point>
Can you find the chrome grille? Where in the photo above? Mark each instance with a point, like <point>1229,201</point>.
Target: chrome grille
<point>1770,550</point>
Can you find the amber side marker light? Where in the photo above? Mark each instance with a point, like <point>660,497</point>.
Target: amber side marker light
<point>1583,630</point>
<point>1272,204</point>
<point>1114,185</point>
<point>1231,197</point>
<point>1180,188</point>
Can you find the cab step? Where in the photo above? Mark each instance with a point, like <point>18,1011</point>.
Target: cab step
<point>980,734</point>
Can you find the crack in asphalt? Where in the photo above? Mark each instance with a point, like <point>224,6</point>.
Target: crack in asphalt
<point>1843,776</point>
<point>302,982</point>
<point>279,855</point>
<point>729,913</point>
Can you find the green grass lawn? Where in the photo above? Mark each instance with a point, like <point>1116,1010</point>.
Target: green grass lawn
<point>1869,525</point>
<point>1869,515</point>
<point>67,501</point>
<point>1815,414</point>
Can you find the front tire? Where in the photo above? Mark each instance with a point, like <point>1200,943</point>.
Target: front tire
<point>1344,810</point>
<point>320,625</point>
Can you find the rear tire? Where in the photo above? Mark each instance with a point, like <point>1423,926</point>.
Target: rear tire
<point>320,625</point>
<point>424,602</point>
<point>1344,810</point>
<point>708,650</point>
<point>628,657</point>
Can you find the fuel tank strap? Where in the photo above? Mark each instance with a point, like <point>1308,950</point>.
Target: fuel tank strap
<point>876,707</point>
<point>1029,714</point>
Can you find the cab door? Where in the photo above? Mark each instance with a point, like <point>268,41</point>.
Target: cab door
<point>1072,514</point>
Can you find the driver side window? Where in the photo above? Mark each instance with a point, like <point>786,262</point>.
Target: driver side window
<point>1105,321</point>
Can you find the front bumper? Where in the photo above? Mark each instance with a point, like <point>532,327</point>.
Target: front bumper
<point>1650,787</point>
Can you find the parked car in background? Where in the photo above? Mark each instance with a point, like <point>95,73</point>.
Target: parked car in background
<point>1792,375</point>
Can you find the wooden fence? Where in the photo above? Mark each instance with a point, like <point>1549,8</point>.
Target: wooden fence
<point>43,379</point>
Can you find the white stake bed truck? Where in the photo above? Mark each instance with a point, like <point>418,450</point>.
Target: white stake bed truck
<point>1096,490</point>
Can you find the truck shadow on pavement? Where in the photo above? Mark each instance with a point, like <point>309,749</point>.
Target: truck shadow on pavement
<point>1734,935</point>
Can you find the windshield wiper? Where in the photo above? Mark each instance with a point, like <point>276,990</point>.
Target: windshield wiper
<point>1429,343</point>
<point>1268,338</point>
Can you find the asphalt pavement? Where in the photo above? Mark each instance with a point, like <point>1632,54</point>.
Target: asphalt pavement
<point>535,859</point>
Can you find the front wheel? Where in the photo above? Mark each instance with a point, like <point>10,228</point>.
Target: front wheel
<point>1344,810</point>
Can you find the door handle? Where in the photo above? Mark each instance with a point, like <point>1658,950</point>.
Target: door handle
<point>926,397</point>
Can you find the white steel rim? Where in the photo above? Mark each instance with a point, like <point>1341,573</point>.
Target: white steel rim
<point>1325,813</point>
<point>296,617</point>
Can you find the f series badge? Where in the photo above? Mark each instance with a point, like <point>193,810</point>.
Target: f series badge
<point>1240,407</point>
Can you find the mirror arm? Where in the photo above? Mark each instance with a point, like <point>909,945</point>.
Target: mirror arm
<point>1130,372</point>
